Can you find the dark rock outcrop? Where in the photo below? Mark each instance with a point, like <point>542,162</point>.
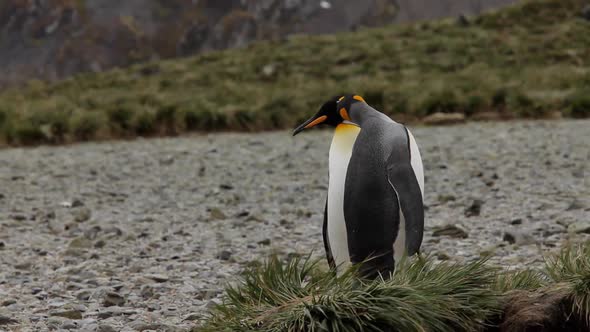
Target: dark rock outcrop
<point>52,39</point>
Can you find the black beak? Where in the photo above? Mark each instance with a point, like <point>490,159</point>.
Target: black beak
<point>303,126</point>
<point>314,121</point>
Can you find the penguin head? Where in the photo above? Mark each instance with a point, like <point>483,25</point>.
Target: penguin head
<point>332,113</point>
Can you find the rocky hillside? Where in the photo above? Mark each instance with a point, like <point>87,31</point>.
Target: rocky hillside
<point>52,39</point>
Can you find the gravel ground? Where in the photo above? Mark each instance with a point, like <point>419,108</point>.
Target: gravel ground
<point>143,235</point>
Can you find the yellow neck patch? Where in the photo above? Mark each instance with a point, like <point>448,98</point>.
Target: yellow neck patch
<point>344,137</point>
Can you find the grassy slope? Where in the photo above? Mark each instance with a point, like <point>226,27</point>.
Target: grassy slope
<point>526,60</point>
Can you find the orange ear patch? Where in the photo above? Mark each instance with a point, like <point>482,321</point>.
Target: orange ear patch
<point>316,121</point>
<point>359,98</point>
<point>344,114</point>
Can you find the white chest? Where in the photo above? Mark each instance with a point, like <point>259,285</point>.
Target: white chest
<point>340,153</point>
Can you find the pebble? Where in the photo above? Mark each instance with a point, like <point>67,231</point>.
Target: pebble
<point>18,217</point>
<point>8,302</point>
<point>82,214</point>
<point>115,311</point>
<point>83,295</point>
<point>226,186</point>
<point>576,205</point>
<point>579,227</point>
<point>80,242</point>
<point>69,326</point>
<point>518,237</point>
<point>23,266</point>
<point>216,213</point>
<point>71,314</point>
<point>474,209</point>
<point>4,320</point>
<point>113,299</point>
<point>158,277</point>
<point>193,317</point>
<point>224,255</point>
<point>105,328</point>
<point>55,322</point>
<point>453,231</point>
<point>149,218</point>
<point>77,203</point>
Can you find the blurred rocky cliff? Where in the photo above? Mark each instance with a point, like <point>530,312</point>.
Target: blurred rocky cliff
<point>51,39</point>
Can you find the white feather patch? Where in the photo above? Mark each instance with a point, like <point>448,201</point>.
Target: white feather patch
<point>340,153</point>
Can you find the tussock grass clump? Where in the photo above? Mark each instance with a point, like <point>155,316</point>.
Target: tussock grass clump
<point>528,60</point>
<point>299,295</point>
<point>556,299</point>
<point>572,268</point>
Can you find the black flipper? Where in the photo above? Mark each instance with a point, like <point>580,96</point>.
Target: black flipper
<point>326,241</point>
<point>402,178</point>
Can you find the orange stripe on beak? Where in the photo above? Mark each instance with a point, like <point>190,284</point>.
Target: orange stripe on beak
<point>344,114</point>
<point>339,100</point>
<point>316,121</point>
<point>359,98</point>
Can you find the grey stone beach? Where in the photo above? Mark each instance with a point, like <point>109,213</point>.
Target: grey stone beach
<point>143,235</point>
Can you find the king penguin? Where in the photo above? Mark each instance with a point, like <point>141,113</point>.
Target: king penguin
<point>374,211</point>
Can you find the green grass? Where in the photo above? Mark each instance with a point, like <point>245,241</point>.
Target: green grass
<point>298,295</point>
<point>528,60</point>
